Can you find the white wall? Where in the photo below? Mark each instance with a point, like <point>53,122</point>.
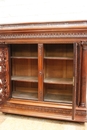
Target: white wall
<point>14,11</point>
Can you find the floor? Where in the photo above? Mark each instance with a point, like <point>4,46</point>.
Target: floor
<point>16,122</point>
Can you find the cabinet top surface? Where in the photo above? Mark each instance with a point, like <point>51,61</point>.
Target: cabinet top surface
<point>45,25</point>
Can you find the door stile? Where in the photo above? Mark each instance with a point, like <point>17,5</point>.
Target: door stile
<point>74,80</point>
<point>79,72</point>
<point>40,72</point>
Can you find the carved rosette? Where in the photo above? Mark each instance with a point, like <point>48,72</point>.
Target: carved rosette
<point>4,81</point>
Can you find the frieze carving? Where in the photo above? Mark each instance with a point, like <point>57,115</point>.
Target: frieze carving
<point>40,109</point>
<point>46,109</point>
<point>45,35</point>
<point>42,25</point>
<point>4,83</point>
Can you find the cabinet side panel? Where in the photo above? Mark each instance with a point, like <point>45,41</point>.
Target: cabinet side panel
<point>84,75</point>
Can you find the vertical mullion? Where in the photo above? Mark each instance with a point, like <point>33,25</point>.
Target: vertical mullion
<point>75,79</point>
<point>40,72</point>
<point>79,73</point>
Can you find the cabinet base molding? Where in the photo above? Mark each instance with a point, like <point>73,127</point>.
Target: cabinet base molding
<point>44,110</point>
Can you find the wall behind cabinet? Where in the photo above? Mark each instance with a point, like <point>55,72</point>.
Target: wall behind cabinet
<point>42,10</point>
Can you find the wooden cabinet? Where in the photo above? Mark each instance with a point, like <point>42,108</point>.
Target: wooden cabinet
<point>43,70</point>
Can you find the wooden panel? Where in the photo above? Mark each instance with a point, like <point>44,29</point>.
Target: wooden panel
<point>25,86</point>
<point>58,50</point>
<point>58,69</point>
<point>25,95</point>
<point>83,102</point>
<point>58,98</point>
<point>24,50</point>
<point>24,67</point>
<point>58,89</point>
<point>57,93</point>
<point>25,89</point>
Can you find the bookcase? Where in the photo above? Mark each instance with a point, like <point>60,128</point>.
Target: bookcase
<point>43,70</point>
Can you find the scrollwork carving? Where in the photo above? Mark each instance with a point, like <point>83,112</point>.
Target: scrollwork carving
<point>4,83</point>
<point>49,110</point>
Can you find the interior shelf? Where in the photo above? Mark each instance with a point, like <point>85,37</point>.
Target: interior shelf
<point>58,58</point>
<point>25,95</point>
<point>24,90</point>
<point>23,57</point>
<point>59,81</point>
<point>24,78</point>
<point>58,98</point>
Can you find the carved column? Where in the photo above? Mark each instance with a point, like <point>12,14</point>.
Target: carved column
<point>4,73</point>
<point>84,75</point>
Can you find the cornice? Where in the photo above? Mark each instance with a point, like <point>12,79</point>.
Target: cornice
<point>67,24</point>
<point>74,29</point>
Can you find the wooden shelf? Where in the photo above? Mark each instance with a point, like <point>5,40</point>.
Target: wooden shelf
<point>58,58</point>
<point>23,57</point>
<point>58,98</point>
<point>59,81</point>
<point>24,95</point>
<point>24,78</point>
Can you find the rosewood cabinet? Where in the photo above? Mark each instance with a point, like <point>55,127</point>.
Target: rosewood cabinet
<point>43,70</point>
